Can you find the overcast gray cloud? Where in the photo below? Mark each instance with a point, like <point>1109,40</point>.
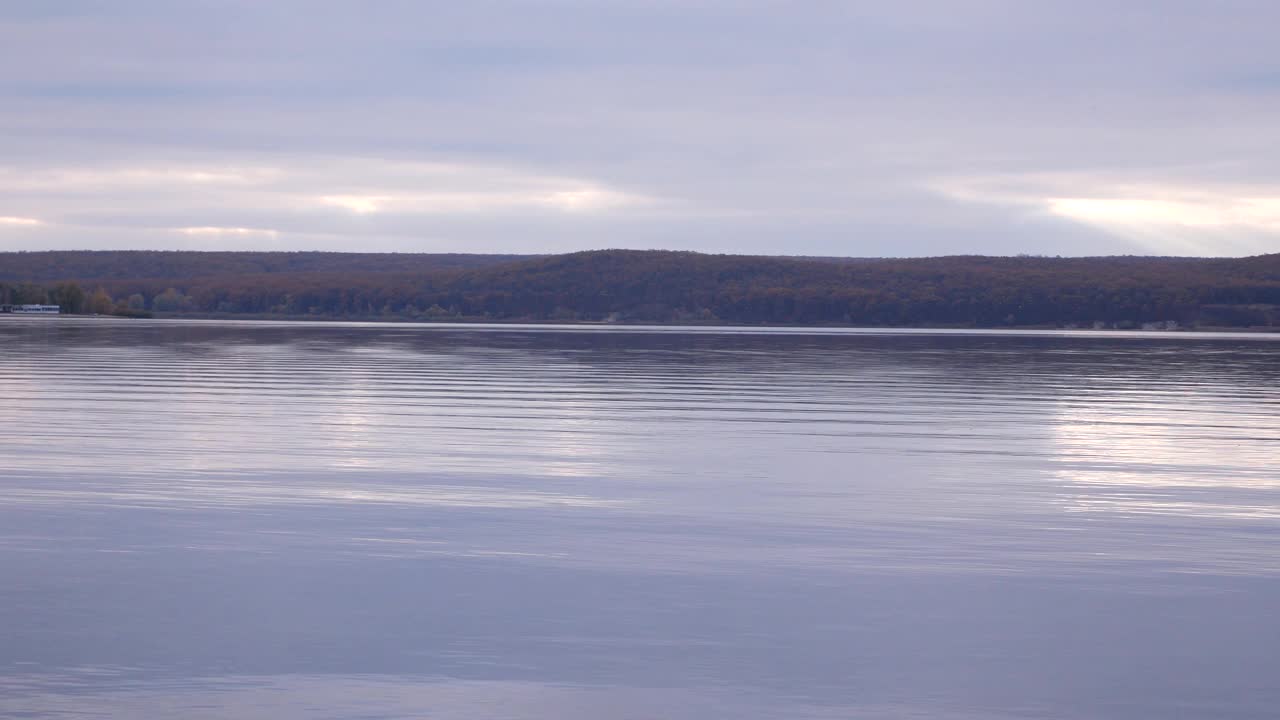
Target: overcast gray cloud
<point>833,128</point>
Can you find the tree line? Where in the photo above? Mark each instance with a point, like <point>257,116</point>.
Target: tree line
<point>663,286</point>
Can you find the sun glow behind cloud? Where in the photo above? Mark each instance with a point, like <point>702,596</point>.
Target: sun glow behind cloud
<point>19,221</point>
<point>1181,217</point>
<point>214,230</point>
<point>1207,211</point>
<point>359,204</point>
<point>580,200</point>
<point>216,200</point>
<point>112,179</point>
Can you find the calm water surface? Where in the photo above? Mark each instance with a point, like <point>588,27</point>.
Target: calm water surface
<point>274,520</point>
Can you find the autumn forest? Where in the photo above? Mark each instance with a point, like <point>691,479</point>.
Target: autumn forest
<point>657,287</point>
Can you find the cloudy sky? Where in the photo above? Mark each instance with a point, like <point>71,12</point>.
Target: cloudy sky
<point>835,128</point>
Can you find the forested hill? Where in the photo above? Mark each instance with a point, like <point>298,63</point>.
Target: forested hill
<point>59,265</point>
<point>660,286</point>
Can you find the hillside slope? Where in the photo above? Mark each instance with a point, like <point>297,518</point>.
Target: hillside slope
<point>664,286</point>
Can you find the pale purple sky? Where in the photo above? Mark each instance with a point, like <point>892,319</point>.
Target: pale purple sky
<point>826,128</point>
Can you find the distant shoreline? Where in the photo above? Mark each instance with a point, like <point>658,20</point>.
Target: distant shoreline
<point>311,320</point>
<point>661,287</point>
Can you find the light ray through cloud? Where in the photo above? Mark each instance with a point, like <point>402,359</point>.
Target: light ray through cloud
<point>1191,219</point>
<point>19,221</point>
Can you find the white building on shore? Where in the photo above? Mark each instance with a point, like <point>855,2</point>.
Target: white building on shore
<point>31,309</point>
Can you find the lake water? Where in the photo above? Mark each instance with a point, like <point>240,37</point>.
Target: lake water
<point>285,520</point>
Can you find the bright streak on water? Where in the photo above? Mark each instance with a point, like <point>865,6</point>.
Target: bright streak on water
<point>286,520</point>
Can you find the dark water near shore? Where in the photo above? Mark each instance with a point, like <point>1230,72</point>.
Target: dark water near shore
<point>277,520</point>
